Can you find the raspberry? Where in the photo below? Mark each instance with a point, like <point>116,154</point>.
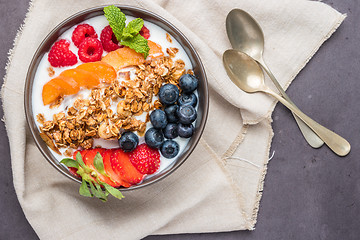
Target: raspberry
<point>108,39</point>
<point>145,32</point>
<point>60,55</point>
<point>81,32</point>
<point>90,50</point>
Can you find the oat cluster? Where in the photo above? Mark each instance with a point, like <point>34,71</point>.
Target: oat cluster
<point>93,117</point>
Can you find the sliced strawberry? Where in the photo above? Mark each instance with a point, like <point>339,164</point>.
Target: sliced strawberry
<point>82,152</point>
<point>89,161</point>
<point>122,166</point>
<point>145,159</point>
<point>108,169</point>
<point>73,171</point>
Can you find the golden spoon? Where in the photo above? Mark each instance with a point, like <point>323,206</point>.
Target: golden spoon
<point>248,76</point>
<point>245,34</point>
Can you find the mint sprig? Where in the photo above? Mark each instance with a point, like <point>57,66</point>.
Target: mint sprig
<point>129,35</point>
<point>90,187</point>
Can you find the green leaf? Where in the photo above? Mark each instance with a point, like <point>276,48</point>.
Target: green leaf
<point>113,191</point>
<point>102,195</point>
<point>139,44</point>
<point>79,160</point>
<point>98,191</point>
<point>94,190</point>
<point>129,35</point>
<point>84,190</point>
<point>116,20</point>
<point>132,29</point>
<point>82,164</point>
<point>99,164</point>
<point>69,162</point>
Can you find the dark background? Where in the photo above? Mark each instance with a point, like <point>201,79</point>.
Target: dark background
<point>308,194</point>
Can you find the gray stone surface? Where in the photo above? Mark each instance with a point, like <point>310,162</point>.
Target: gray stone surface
<point>308,194</point>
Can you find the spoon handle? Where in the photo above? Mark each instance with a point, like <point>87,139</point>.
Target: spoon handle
<point>335,142</point>
<point>309,135</point>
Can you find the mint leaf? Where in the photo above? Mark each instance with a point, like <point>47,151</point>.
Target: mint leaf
<point>139,44</point>
<point>132,29</point>
<point>69,162</point>
<point>129,35</point>
<point>84,190</point>
<point>113,191</point>
<point>116,20</point>
<point>99,164</point>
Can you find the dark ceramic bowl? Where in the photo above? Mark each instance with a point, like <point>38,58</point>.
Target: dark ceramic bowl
<point>135,12</point>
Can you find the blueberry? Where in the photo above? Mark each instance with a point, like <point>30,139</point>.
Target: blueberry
<point>170,149</point>
<point>171,113</point>
<point>154,138</point>
<point>186,114</point>
<point>188,83</point>
<point>185,131</point>
<point>170,131</point>
<point>187,99</point>
<point>158,119</point>
<point>168,94</point>
<point>128,141</point>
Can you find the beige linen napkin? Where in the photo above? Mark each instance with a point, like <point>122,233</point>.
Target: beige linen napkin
<point>219,187</point>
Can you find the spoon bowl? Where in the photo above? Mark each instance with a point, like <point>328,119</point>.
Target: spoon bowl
<point>245,33</point>
<point>248,76</point>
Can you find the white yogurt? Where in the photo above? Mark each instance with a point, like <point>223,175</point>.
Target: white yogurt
<point>157,35</point>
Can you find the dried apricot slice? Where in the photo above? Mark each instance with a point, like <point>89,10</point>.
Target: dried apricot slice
<point>68,85</point>
<point>103,71</point>
<point>58,87</point>
<point>155,50</point>
<point>70,81</point>
<point>51,93</point>
<point>82,77</point>
<point>124,57</point>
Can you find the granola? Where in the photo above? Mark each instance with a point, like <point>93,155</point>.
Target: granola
<point>90,118</point>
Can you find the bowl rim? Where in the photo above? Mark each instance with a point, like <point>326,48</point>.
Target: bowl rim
<point>30,78</point>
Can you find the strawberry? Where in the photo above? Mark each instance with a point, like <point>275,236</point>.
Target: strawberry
<point>89,161</point>
<point>73,171</point>
<point>145,159</point>
<point>122,166</point>
<point>82,152</point>
<point>108,169</point>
